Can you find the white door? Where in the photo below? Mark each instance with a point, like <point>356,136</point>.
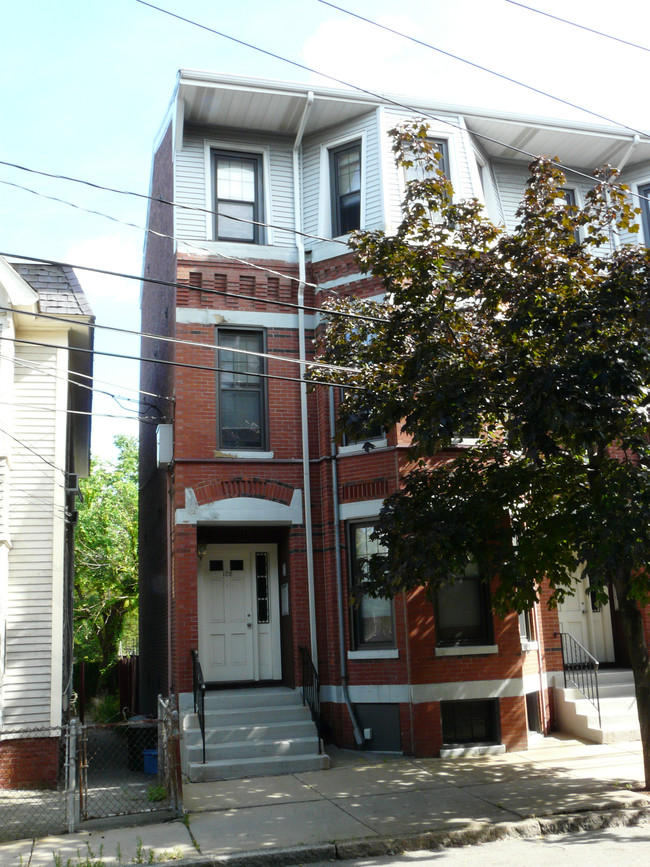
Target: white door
<point>592,628</point>
<point>239,623</point>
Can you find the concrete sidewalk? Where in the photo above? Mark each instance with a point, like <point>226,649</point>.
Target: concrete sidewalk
<point>369,804</point>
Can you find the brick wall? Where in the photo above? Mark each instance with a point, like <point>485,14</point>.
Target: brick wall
<point>29,763</point>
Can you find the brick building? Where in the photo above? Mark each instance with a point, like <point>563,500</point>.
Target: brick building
<point>252,526</point>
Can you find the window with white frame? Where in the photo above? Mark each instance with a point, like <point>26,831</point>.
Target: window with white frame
<point>238,196</point>
<point>241,394</point>
<point>345,182</point>
<point>372,618</point>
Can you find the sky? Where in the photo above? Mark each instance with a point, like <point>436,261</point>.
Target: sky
<point>85,86</point>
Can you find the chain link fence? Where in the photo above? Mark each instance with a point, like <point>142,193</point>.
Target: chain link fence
<point>33,790</point>
<point>93,772</point>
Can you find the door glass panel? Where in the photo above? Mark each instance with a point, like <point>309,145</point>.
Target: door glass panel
<point>262,584</point>
<point>236,565</point>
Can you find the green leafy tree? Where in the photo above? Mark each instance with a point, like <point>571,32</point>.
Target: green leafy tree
<point>106,556</point>
<point>537,340</point>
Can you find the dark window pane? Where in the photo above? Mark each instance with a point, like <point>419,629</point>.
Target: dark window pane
<point>466,722</point>
<point>216,565</point>
<point>237,197</point>
<point>236,565</point>
<point>373,618</point>
<point>345,169</point>
<point>262,583</point>
<point>241,389</point>
<point>462,611</point>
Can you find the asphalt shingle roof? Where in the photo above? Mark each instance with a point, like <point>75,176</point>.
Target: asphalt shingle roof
<point>57,286</point>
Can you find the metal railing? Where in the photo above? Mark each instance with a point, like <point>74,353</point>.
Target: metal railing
<point>311,689</point>
<point>580,669</point>
<point>198,688</point>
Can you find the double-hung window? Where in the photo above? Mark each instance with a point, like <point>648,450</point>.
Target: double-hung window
<point>439,156</point>
<point>345,178</point>
<point>240,390</point>
<point>462,610</point>
<point>237,196</point>
<point>373,622</point>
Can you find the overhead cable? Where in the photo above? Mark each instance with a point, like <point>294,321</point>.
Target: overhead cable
<point>579,26</point>
<point>478,66</point>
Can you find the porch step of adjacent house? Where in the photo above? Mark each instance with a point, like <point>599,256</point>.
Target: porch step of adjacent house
<point>619,719</point>
<point>251,732</point>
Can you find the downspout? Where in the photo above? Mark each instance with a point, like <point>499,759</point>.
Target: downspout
<point>628,153</point>
<point>358,736</point>
<point>302,352</point>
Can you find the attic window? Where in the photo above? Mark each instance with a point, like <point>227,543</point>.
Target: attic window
<point>237,196</point>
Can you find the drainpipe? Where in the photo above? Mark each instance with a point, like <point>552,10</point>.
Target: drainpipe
<point>621,165</point>
<point>358,736</point>
<point>302,352</point>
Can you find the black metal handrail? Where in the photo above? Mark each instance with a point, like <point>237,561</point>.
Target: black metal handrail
<point>198,688</point>
<point>311,689</point>
<point>580,669</point>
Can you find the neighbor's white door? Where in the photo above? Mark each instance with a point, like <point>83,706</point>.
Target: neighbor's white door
<point>239,623</point>
<point>593,629</point>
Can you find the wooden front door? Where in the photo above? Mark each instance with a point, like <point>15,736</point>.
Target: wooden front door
<point>239,629</point>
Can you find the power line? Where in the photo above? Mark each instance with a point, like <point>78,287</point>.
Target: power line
<point>381,97</point>
<point>48,371</point>
<point>275,302</point>
<point>161,201</point>
<point>29,448</point>
<point>478,66</point>
<point>579,26</point>
<point>181,342</point>
<point>143,418</point>
<point>181,364</point>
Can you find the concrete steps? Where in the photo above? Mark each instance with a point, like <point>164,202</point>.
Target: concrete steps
<point>250,732</point>
<point>619,720</point>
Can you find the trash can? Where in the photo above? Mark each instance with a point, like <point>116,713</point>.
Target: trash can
<point>150,761</point>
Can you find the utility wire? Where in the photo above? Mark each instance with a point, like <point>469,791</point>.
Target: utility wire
<point>382,97</point>
<point>29,448</point>
<point>579,26</point>
<point>161,201</point>
<point>478,66</point>
<point>223,292</point>
<point>180,342</point>
<point>69,378</point>
<point>138,417</point>
<point>181,364</point>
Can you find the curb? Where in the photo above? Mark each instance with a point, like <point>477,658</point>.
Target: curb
<point>566,823</point>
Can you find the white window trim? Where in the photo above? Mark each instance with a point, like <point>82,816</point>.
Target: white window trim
<point>385,653</point>
<point>267,204</point>
<point>360,510</point>
<point>356,447</point>
<point>468,650</point>
<point>325,194</point>
<point>250,456</point>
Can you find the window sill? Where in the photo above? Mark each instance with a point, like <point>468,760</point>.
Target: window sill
<point>379,653</point>
<point>468,650</point>
<point>527,646</point>
<point>356,448</point>
<point>253,456</point>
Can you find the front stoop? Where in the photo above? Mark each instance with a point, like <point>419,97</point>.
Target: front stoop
<point>619,719</point>
<point>251,733</point>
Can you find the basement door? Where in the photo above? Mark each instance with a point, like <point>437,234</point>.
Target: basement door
<point>239,613</point>
<point>591,626</point>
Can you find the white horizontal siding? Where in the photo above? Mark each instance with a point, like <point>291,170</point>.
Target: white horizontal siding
<point>314,183</point>
<point>35,507</point>
<point>193,185</point>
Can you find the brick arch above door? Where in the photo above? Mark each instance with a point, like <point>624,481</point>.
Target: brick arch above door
<point>242,501</point>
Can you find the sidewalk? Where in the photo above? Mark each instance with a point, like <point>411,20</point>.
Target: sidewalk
<point>368,804</point>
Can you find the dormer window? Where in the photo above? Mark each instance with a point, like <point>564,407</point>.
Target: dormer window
<point>345,177</point>
<point>237,196</point>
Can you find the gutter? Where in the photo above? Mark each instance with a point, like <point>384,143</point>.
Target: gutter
<point>302,353</point>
